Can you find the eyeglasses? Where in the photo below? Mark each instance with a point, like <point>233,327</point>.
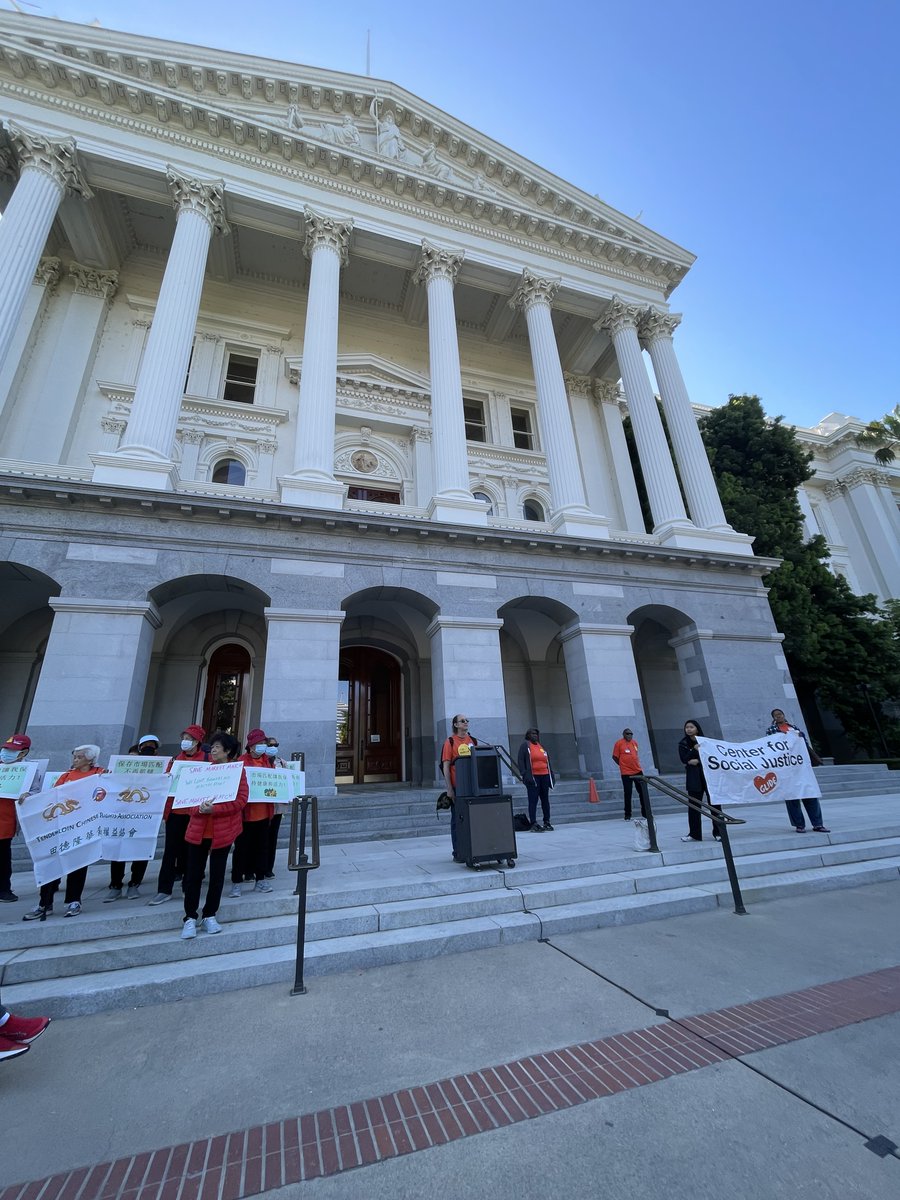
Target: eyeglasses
<point>462,720</point>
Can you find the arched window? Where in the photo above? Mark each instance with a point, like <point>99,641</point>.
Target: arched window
<point>229,470</point>
<point>488,501</point>
<point>532,511</point>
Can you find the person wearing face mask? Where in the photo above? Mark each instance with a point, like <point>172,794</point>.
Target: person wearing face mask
<point>174,859</point>
<point>84,763</point>
<point>251,850</point>
<point>272,749</point>
<point>13,750</point>
<point>148,747</point>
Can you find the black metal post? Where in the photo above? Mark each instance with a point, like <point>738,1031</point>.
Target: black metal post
<point>722,827</point>
<point>299,988</point>
<point>299,861</point>
<point>644,794</point>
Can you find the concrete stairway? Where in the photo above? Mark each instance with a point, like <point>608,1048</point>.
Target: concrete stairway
<point>372,904</point>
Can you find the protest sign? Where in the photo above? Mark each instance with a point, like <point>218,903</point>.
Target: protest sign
<point>270,785</point>
<point>17,778</point>
<point>770,768</point>
<point>112,817</point>
<point>217,782</point>
<point>138,764</point>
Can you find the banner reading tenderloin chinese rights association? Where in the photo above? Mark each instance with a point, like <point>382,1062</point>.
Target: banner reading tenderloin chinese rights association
<point>771,768</point>
<point>111,817</point>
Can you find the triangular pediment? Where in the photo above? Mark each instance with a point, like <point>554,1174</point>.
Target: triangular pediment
<point>371,369</point>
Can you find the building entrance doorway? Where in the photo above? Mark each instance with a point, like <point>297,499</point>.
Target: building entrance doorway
<point>369,737</point>
<point>226,690</point>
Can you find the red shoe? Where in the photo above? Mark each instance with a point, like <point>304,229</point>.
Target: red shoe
<point>11,1049</point>
<point>23,1029</point>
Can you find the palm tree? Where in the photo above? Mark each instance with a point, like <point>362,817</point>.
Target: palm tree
<point>883,434</point>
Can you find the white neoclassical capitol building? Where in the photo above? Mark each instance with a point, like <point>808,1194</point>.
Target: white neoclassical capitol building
<point>311,416</point>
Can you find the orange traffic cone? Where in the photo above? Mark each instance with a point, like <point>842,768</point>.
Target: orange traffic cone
<point>593,797</point>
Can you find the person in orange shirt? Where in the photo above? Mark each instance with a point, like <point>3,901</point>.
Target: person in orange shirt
<point>537,775</point>
<point>625,756</point>
<point>251,850</point>
<point>13,750</point>
<point>84,763</point>
<point>449,755</point>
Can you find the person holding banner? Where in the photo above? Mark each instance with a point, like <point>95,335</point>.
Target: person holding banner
<point>13,750</point>
<point>148,747</point>
<point>84,763</point>
<point>251,850</point>
<point>174,859</point>
<point>780,724</point>
<point>694,781</point>
<point>212,829</point>
<point>272,748</point>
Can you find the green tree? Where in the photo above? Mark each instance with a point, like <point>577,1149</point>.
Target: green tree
<point>883,436</point>
<point>842,650</point>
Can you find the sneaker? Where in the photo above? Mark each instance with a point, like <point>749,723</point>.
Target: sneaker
<point>23,1029</point>
<point>159,898</point>
<point>262,886</point>
<point>210,925</point>
<point>535,828</point>
<point>548,828</point>
<point>8,897</point>
<point>820,829</point>
<point>11,1049</point>
<point>133,892</point>
<point>73,909</point>
<point>235,892</point>
<point>270,874</point>
<point>688,838</point>
<point>112,894</point>
<point>189,929</point>
<point>38,914</point>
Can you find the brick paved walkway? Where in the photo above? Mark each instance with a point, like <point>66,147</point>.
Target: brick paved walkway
<point>242,1164</point>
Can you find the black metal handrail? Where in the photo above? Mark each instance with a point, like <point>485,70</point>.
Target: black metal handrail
<point>304,813</point>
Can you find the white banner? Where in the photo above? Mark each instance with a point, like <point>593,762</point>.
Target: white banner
<point>217,782</point>
<point>771,768</point>
<point>18,778</point>
<point>138,764</point>
<point>111,817</point>
<point>270,785</point>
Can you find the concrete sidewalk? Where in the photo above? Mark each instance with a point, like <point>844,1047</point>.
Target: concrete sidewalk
<point>788,1121</point>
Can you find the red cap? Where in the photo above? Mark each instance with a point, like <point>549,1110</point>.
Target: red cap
<point>197,732</point>
<point>255,736</point>
<point>17,741</point>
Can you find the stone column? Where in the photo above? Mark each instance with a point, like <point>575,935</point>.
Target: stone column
<point>452,500</point>
<point>47,171</point>
<point>312,482</point>
<point>629,503</point>
<point>136,346</point>
<point>300,688</point>
<point>207,353</point>
<point>605,693</point>
<point>597,468</point>
<point>666,505</point>
<point>655,330</point>
<point>866,513</point>
<point>145,460</point>
<point>422,464</point>
<point>191,441</point>
<point>13,372</point>
<point>570,514</point>
<point>467,677</point>
<point>94,676</point>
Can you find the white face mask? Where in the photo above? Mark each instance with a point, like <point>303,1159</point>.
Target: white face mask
<point>260,748</point>
<point>10,756</point>
<point>187,744</point>
<point>272,751</point>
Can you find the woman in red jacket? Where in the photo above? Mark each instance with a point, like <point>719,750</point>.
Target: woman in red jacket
<point>251,851</point>
<point>174,859</point>
<point>211,830</point>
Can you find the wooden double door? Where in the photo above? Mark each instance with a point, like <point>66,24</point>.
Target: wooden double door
<point>369,720</point>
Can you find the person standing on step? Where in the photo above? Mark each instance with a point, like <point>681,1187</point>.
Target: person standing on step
<point>812,804</point>
<point>537,775</point>
<point>13,750</point>
<point>694,780</point>
<point>272,749</point>
<point>449,755</point>
<point>84,763</point>
<point>251,850</point>
<point>17,1033</point>
<point>625,756</point>
<point>211,832</point>
<point>147,747</point>
<point>174,859</point>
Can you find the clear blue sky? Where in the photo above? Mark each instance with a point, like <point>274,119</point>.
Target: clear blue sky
<point>763,137</point>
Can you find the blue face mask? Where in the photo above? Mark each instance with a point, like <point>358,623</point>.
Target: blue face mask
<point>272,751</point>
<point>260,748</point>
<point>8,756</point>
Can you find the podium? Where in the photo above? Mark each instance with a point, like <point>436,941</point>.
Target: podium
<point>484,815</point>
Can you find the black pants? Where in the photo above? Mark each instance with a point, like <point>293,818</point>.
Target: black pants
<point>628,782</point>
<point>272,848</point>
<point>117,874</point>
<point>175,852</point>
<point>75,881</point>
<point>196,864</point>
<point>538,788</point>
<point>251,852</point>
<point>5,864</point>
<point>695,822</point>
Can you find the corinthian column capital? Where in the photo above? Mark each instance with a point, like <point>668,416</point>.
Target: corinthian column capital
<point>56,158</point>
<point>327,231</point>
<point>532,290</point>
<point>47,272</point>
<point>203,196</point>
<point>655,324</point>
<point>578,385</point>
<point>437,263</point>
<point>618,316</point>
<point>91,282</point>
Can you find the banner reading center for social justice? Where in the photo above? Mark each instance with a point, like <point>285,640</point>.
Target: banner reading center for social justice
<point>111,817</point>
<point>771,768</point>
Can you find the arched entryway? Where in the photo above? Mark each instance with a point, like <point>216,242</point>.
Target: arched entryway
<point>227,692</point>
<point>369,739</point>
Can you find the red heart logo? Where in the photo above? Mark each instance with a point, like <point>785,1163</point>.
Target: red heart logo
<point>765,783</point>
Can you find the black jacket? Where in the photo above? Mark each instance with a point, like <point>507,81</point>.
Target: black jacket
<point>524,764</point>
<point>694,783</point>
